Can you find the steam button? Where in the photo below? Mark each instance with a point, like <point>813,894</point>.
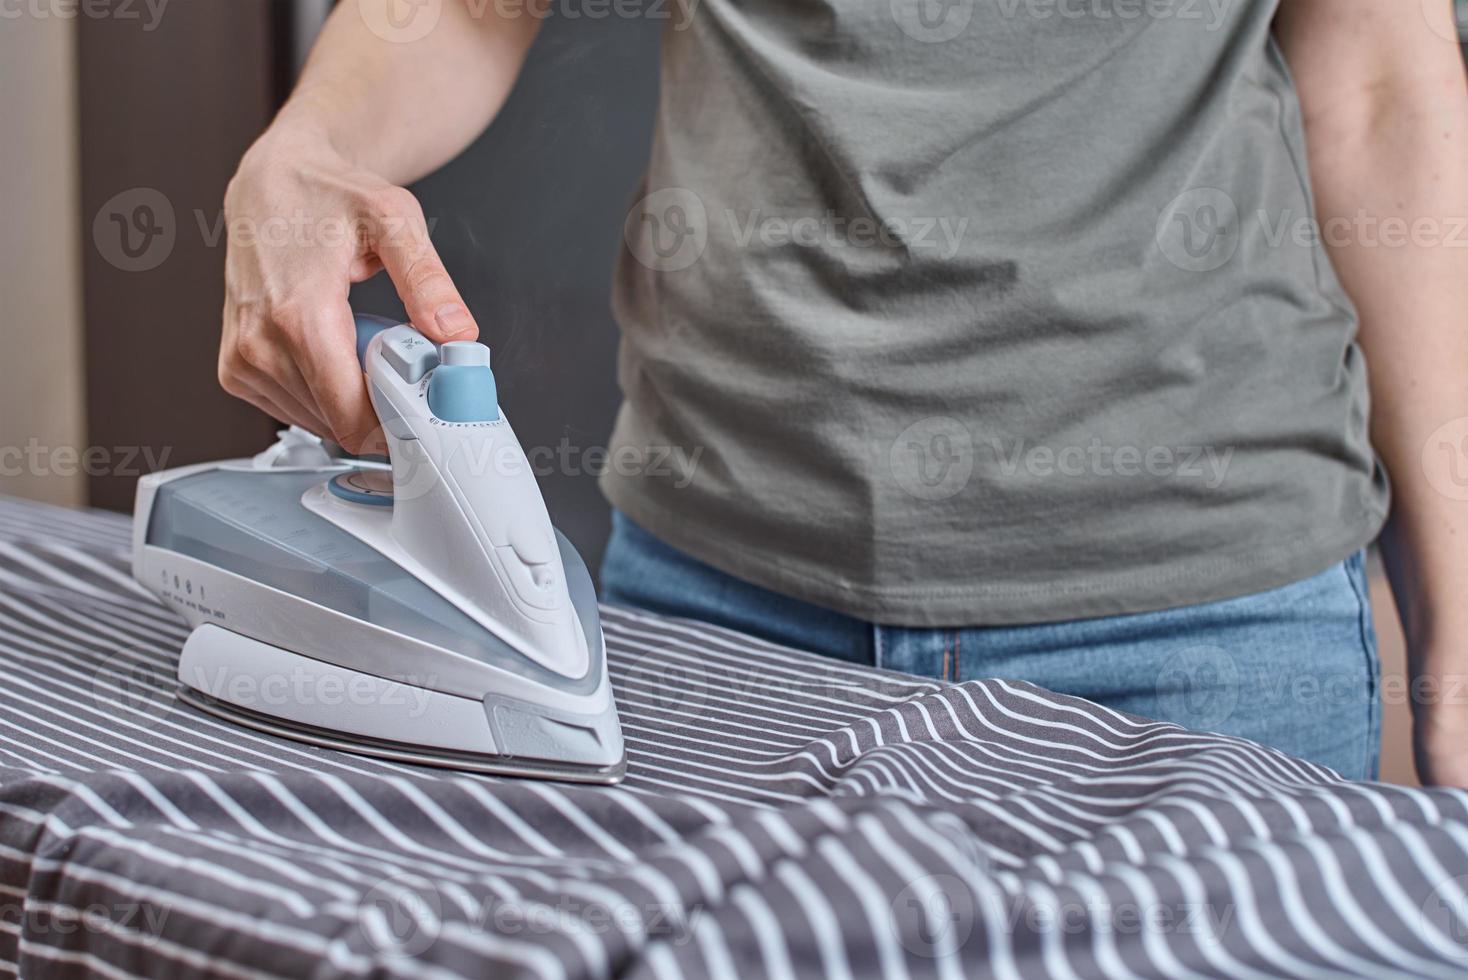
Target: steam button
<point>462,387</point>
<point>464,352</point>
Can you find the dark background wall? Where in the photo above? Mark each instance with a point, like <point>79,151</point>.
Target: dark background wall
<point>164,114</point>
<point>528,221</point>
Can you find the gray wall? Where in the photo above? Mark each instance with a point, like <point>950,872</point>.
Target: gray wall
<point>528,223</point>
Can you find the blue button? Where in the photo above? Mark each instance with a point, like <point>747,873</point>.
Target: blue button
<point>462,387</point>
<point>363,487</point>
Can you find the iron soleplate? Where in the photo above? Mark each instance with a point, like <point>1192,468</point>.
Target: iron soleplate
<point>492,765</point>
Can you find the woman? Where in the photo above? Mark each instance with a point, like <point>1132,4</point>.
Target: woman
<point>1010,337</point>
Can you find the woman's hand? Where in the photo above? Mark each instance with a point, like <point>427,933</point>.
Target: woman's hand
<point>304,224</point>
<point>316,206</point>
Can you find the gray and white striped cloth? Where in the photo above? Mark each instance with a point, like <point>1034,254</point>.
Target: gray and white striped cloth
<point>783,815</point>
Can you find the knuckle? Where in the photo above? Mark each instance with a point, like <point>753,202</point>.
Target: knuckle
<point>348,424</point>
<point>254,350</point>
<point>425,274</point>
<point>289,316</point>
<point>391,201</point>
<point>229,378</point>
<point>297,316</point>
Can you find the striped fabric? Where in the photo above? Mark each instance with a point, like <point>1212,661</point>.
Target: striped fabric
<point>782,816</point>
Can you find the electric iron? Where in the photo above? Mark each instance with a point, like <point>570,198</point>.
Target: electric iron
<point>424,611</point>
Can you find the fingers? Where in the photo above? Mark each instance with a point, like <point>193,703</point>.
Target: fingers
<point>289,344</point>
<point>257,391</point>
<point>292,410</point>
<point>245,380</point>
<point>301,367</point>
<point>402,244</point>
<point>263,362</point>
<point>323,340</point>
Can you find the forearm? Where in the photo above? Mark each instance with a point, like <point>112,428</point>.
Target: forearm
<point>398,108</point>
<point>379,105</point>
<point>1389,165</point>
<point>1408,277</point>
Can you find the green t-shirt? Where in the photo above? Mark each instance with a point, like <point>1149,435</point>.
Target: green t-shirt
<point>968,312</point>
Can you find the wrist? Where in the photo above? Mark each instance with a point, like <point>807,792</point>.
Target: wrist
<point>1439,692</point>
<point>306,131</point>
<point>296,133</point>
<point>1441,725</point>
<point>287,147</point>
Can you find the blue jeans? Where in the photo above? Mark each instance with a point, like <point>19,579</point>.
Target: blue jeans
<point>1293,667</point>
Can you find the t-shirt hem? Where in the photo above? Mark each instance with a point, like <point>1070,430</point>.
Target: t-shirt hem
<point>1115,594</point>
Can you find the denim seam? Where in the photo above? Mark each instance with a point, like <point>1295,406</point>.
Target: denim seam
<point>878,653</point>
<point>1373,661</point>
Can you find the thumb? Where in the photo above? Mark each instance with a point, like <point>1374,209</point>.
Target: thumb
<point>423,284</point>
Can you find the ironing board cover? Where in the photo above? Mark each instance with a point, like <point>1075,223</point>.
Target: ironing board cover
<point>782,815</point>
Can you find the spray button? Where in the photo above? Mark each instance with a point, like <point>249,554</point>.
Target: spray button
<point>408,353</point>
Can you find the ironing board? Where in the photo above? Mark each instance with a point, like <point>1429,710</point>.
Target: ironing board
<point>782,815</point>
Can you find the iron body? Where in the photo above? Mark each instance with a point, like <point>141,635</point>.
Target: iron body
<point>424,611</point>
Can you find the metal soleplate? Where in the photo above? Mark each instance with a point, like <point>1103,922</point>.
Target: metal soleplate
<point>493,765</point>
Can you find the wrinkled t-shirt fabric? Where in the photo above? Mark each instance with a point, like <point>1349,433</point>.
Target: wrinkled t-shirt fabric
<point>970,312</point>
